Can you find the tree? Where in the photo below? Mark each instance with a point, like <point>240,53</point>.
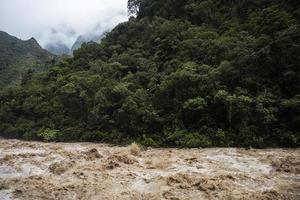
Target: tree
<point>133,6</point>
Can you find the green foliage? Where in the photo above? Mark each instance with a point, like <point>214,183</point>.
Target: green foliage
<point>148,141</point>
<point>185,73</point>
<point>17,57</point>
<point>48,134</point>
<point>182,138</point>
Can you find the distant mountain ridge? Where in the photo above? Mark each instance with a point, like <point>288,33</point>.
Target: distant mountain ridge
<point>84,39</point>
<point>62,49</point>
<point>58,49</point>
<point>80,40</point>
<point>17,56</point>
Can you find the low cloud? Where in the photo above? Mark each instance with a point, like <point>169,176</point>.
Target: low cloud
<point>60,21</point>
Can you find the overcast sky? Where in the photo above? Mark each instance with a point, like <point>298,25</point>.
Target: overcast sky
<point>59,20</point>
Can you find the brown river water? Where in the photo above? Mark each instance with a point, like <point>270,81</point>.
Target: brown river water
<point>71,171</point>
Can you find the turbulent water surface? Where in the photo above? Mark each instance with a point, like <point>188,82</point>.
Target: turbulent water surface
<point>33,170</point>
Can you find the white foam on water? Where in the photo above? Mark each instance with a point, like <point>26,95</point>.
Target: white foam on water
<point>26,170</point>
<point>74,147</point>
<point>32,170</point>
<point>6,195</point>
<point>198,169</point>
<point>7,172</point>
<point>23,150</point>
<point>243,164</point>
<point>140,185</point>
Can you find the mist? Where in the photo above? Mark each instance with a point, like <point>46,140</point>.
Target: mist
<point>60,21</point>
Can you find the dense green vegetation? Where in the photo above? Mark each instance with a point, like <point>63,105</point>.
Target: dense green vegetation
<point>183,73</point>
<point>18,56</point>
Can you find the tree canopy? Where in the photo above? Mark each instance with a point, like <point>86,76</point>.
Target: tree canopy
<point>183,73</point>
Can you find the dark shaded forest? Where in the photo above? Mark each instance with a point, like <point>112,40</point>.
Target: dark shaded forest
<point>184,73</point>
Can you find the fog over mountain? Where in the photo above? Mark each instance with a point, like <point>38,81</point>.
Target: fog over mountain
<point>60,22</point>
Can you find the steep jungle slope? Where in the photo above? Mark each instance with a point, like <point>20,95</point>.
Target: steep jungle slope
<point>18,56</point>
<point>183,73</point>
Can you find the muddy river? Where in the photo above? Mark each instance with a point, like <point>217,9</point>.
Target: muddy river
<point>71,171</point>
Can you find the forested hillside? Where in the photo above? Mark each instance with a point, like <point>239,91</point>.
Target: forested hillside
<point>18,56</point>
<point>183,73</point>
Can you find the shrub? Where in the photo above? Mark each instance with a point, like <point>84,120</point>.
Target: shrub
<point>183,138</point>
<point>219,138</point>
<point>149,142</point>
<point>48,134</point>
<point>193,140</point>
